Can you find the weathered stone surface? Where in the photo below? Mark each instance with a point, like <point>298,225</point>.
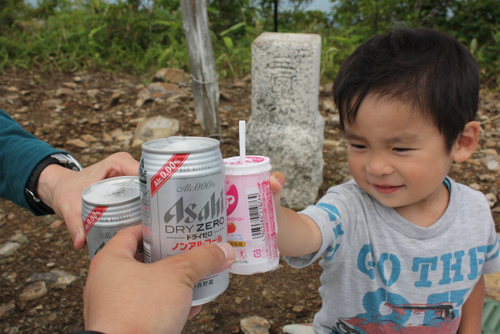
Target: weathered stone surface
<point>58,278</point>
<point>33,291</point>
<point>255,325</point>
<point>155,128</point>
<point>285,124</point>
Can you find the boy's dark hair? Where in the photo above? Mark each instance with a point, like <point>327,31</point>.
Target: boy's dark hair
<point>428,68</point>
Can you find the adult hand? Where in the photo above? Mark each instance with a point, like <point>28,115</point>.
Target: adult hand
<point>123,295</point>
<point>61,188</point>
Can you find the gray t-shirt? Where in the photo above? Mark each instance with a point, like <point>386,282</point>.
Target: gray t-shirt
<point>382,273</point>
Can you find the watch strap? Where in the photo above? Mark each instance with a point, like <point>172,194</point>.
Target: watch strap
<point>34,201</point>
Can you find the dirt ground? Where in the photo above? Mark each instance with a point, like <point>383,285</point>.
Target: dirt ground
<point>100,105</point>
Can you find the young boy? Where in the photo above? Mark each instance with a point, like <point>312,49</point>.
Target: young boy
<point>403,247</point>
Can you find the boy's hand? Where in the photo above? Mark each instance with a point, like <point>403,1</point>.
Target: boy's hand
<point>298,234</point>
<point>277,182</point>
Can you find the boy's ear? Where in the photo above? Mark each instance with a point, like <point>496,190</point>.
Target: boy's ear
<point>467,142</point>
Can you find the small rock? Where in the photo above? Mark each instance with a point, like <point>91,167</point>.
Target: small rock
<point>298,308</point>
<point>255,325</point>
<point>154,128</point>
<point>56,224</point>
<point>88,138</point>
<point>330,142</point>
<point>159,90</point>
<point>12,330</point>
<point>172,75</point>
<point>328,106</point>
<point>116,132</point>
<point>140,102</point>
<point>9,248</point>
<point>492,162</point>
<point>64,92</point>
<point>92,93</point>
<point>136,121</point>
<point>33,291</point>
<point>492,199</point>
<point>60,108</point>
<point>71,85</point>
<point>475,186</point>
<point>78,143</point>
<point>115,99</point>
<point>107,138</point>
<point>7,309</point>
<point>22,110</point>
<point>335,119</point>
<point>52,103</point>
<point>58,278</point>
<point>11,277</point>
<point>125,137</point>
<point>327,88</point>
<point>19,238</point>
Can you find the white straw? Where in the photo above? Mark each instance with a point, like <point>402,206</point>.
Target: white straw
<point>242,142</point>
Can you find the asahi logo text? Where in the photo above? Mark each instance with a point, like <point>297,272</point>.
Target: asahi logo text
<point>196,187</point>
<point>192,217</point>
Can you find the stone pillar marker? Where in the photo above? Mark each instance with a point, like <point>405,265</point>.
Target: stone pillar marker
<point>285,123</point>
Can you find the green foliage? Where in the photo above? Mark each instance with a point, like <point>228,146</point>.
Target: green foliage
<point>66,35</point>
<point>475,23</point>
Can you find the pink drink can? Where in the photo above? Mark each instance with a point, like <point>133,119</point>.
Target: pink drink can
<point>183,203</point>
<point>107,207</point>
<point>251,216</point>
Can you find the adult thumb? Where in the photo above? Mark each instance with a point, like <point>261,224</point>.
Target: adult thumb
<point>206,259</point>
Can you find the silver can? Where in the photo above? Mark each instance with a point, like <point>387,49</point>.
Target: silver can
<point>182,182</point>
<point>109,206</point>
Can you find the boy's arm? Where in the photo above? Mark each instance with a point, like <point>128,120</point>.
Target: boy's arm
<point>298,234</point>
<point>472,311</point>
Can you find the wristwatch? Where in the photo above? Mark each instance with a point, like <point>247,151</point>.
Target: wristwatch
<point>62,159</point>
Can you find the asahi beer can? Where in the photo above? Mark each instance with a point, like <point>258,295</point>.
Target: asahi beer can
<point>109,206</point>
<point>182,184</point>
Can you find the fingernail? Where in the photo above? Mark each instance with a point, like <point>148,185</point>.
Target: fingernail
<point>228,251</point>
<point>279,181</point>
<point>75,236</point>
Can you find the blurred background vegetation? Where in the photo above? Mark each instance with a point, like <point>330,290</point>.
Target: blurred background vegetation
<point>141,36</point>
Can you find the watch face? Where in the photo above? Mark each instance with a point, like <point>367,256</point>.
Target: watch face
<point>67,161</point>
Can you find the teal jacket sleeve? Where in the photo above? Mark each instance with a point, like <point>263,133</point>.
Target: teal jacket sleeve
<point>20,152</point>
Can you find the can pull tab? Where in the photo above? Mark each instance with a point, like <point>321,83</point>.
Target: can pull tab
<point>175,139</point>
<point>122,188</point>
<point>169,141</point>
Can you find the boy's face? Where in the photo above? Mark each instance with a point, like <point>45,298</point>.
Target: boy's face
<point>398,157</point>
